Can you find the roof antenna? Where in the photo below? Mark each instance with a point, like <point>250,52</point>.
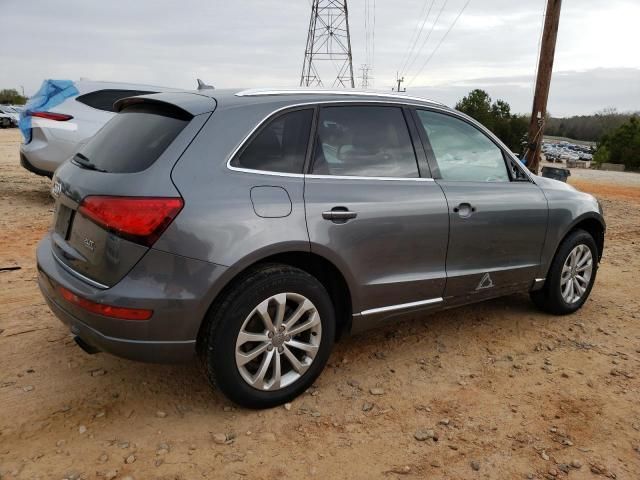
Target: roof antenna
<point>204,86</point>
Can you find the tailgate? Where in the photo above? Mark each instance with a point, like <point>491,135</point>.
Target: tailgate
<point>130,158</point>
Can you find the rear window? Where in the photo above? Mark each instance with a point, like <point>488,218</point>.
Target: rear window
<point>281,146</point>
<point>134,139</point>
<point>104,99</point>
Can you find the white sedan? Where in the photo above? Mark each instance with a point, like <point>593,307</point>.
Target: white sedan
<point>54,134</point>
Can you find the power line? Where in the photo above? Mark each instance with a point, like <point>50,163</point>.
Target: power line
<point>416,34</point>
<point>373,40</point>
<point>439,43</point>
<point>424,42</point>
<point>412,41</point>
<point>366,30</point>
<point>369,39</point>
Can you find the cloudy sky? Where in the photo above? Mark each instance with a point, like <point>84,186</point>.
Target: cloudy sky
<point>254,43</point>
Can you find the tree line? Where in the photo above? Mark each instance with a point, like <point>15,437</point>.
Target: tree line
<point>10,96</point>
<point>587,127</point>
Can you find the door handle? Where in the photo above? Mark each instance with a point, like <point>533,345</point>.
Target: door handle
<point>339,214</point>
<point>464,210</point>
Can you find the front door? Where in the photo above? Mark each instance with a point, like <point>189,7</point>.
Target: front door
<point>498,219</point>
<point>370,213</point>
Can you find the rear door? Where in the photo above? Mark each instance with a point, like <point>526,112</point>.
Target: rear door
<point>371,212</point>
<point>498,219</point>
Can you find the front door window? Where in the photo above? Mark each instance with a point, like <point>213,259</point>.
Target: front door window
<point>462,152</point>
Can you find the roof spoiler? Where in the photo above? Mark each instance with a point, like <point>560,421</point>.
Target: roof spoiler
<point>188,102</point>
<point>153,105</point>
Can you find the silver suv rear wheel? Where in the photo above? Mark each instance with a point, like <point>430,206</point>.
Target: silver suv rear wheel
<point>278,341</point>
<point>268,336</point>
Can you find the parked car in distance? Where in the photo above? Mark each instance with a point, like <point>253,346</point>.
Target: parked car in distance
<point>251,228</point>
<point>56,134</point>
<point>13,114</point>
<point>6,121</point>
<point>565,151</point>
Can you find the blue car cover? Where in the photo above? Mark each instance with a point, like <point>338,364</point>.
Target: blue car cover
<point>51,93</point>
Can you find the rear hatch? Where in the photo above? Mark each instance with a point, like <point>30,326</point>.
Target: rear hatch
<point>115,197</point>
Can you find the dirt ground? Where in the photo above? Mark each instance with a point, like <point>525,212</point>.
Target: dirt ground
<point>507,392</point>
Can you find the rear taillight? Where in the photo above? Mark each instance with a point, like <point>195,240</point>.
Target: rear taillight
<point>139,219</point>
<point>123,313</point>
<point>59,117</point>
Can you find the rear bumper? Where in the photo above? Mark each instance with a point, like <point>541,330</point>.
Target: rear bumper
<point>143,351</point>
<point>177,289</point>
<point>44,153</point>
<point>25,163</point>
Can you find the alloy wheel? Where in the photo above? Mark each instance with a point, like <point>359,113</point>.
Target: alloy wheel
<point>576,273</point>
<point>278,341</point>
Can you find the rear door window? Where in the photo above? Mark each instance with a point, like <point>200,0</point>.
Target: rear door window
<point>104,99</point>
<point>366,141</point>
<point>281,146</point>
<point>134,139</point>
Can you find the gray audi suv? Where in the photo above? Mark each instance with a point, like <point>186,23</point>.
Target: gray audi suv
<point>251,228</point>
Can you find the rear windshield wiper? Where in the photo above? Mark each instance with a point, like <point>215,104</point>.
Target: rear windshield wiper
<point>84,162</point>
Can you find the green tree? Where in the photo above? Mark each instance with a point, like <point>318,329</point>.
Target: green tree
<point>477,105</point>
<point>622,145</point>
<point>10,96</point>
<point>496,116</point>
<point>601,155</point>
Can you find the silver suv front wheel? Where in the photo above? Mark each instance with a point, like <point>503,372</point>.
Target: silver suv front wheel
<point>576,273</point>
<point>571,275</point>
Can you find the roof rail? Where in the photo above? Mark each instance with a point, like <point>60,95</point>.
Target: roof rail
<point>257,92</point>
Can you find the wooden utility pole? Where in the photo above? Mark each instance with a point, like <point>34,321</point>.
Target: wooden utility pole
<point>543,80</point>
<point>399,80</point>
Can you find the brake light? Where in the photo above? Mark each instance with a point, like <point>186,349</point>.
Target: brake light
<point>59,117</point>
<point>122,313</point>
<point>139,219</point>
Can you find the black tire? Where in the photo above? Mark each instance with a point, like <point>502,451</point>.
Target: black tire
<point>226,317</point>
<point>549,298</point>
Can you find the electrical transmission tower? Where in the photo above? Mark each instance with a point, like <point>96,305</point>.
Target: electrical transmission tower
<point>365,78</point>
<point>328,45</point>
